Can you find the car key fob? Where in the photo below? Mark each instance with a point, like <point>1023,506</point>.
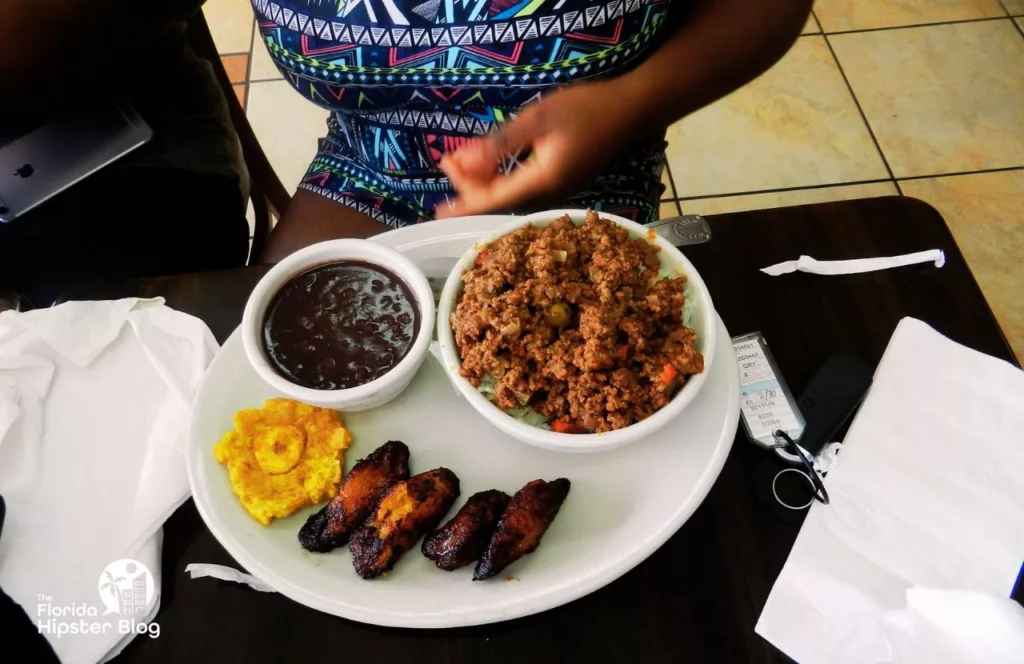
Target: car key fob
<point>830,397</point>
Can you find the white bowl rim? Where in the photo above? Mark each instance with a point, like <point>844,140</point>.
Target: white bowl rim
<point>313,256</point>
<point>554,440</point>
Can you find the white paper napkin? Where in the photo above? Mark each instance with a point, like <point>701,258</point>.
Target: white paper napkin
<point>95,400</point>
<point>955,627</point>
<point>928,495</point>
<point>857,265</point>
<point>203,570</point>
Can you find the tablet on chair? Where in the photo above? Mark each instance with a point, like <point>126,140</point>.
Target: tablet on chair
<point>40,164</point>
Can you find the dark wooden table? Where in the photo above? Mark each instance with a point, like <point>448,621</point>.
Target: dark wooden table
<point>697,598</point>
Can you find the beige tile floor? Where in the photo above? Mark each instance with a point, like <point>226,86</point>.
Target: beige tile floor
<point>923,98</point>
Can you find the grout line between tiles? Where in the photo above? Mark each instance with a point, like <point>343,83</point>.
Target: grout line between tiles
<point>821,30</point>
<point>864,117</point>
<point>267,80</point>
<point>1005,169</point>
<point>914,25</point>
<point>1018,22</point>
<point>779,190</point>
<point>248,66</point>
<point>673,201</point>
<point>228,55</point>
<point>833,185</point>
<point>671,180</point>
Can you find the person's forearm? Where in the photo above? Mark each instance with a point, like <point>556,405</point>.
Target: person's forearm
<point>723,45</point>
<point>312,218</point>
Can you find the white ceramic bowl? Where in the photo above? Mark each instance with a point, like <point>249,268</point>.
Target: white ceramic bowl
<point>699,315</point>
<point>364,397</point>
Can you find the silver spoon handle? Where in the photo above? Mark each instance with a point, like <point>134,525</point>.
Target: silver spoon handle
<point>683,231</point>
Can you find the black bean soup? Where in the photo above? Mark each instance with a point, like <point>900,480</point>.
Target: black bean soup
<point>340,325</point>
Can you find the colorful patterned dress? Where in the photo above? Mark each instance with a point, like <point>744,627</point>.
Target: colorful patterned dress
<point>409,80</point>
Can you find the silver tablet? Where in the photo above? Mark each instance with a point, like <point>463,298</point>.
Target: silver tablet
<point>46,161</point>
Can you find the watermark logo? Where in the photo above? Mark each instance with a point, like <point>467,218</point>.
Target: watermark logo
<point>127,591</point>
<point>126,587</point>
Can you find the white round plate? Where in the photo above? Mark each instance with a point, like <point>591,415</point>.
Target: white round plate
<point>623,504</point>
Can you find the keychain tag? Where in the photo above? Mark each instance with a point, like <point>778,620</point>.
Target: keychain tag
<point>766,404</point>
<point>772,418</point>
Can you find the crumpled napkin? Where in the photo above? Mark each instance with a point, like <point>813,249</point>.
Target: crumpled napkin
<point>955,627</point>
<point>928,495</point>
<point>855,266</point>
<point>95,401</point>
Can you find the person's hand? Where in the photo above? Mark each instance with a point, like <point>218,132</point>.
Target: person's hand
<point>570,135</point>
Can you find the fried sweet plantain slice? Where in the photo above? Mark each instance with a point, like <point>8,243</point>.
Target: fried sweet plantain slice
<point>332,526</point>
<point>463,539</point>
<point>524,522</point>
<point>406,511</point>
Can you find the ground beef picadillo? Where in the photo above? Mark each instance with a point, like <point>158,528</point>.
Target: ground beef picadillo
<point>572,321</point>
